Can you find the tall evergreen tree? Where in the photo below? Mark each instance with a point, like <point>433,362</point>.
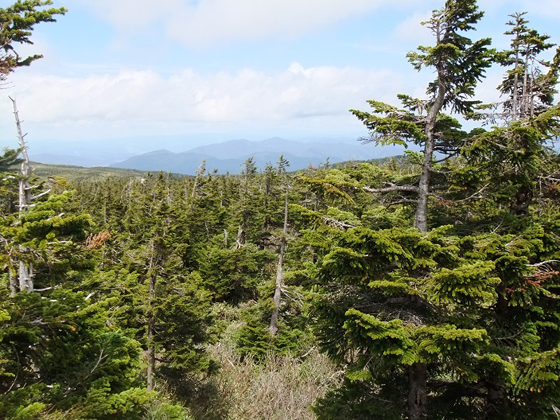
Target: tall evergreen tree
<point>460,64</point>
<point>279,284</point>
<point>458,322</point>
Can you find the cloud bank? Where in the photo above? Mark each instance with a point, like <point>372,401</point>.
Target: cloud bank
<point>205,23</point>
<point>133,97</point>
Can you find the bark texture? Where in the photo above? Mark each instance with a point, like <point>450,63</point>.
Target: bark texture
<point>417,392</point>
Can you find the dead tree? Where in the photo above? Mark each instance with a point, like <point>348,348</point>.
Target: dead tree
<point>25,272</point>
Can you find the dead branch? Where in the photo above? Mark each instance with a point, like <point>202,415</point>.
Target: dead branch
<point>392,187</point>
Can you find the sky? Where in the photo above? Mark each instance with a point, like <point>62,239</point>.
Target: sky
<point>215,70</point>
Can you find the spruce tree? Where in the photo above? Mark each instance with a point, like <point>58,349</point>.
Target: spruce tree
<point>460,64</point>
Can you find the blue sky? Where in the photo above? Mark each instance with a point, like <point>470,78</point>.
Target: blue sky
<point>224,69</point>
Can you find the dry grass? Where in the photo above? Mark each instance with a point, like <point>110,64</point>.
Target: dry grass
<point>280,387</point>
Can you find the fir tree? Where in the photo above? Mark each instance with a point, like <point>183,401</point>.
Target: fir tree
<point>460,64</point>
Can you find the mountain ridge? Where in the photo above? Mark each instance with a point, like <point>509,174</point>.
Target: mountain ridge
<point>230,156</point>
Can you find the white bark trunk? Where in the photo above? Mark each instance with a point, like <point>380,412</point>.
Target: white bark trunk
<point>12,282</point>
<point>25,272</point>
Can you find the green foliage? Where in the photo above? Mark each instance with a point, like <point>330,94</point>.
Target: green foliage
<point>59,354</point>
<point>253,337</point>
<point>471,308</point>
<point>130,273</point>
<point>76,174</point>
<point>461,63</point>
<point>50,238</point>
<point>360,400</point>
<point>8,182</point>
<point>18,21</point>
<point>233,275</point>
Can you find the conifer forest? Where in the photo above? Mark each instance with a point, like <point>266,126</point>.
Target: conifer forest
<point>423,286</point>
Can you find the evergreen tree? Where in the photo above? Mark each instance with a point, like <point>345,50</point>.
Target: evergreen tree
<point>529,90</point>
<point>279,284</point>
<point>460,64</point>
<point>16,25</point>
<point>8,180</point>
<point>460,322</point>
<point>158,297</point>
<point>515,155</point>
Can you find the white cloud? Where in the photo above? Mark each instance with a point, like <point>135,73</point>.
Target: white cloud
<point>215,21</point>
<point>132,97</point>
<point>132,14</point>
<point>205,23</point>
<point>411,29</point>
<point>546,8</point>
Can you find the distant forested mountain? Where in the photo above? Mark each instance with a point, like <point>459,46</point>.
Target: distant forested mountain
<point>230,156</point>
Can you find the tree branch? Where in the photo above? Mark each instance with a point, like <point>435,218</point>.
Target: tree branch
<point>41,195</point>
<point>472,195</point>
<point>540,264</point>
<point>391,187</point>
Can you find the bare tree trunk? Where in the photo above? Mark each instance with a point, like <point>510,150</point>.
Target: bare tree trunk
<point>279,272</point>
<point>421,216</point>
<point>525,96</point>
<point>531,92</point>
<point>515,104</point>
<point>249,170</point>
<point>277,294</point>
<point>12,282</point>
<point>417,392</point>
<point>199,172</point>
<point>25,272</point>
<point>240,241</point>
<point>25,275</point>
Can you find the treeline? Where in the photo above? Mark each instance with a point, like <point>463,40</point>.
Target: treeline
<point>430,281</point>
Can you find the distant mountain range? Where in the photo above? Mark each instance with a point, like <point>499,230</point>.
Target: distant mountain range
<point>230,156</point>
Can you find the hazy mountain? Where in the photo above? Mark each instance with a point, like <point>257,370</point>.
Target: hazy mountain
<point>164,160</point>
<point>103,152</point>
<point>315,150</point>
<point>56,159</point>
<point>229,156</point>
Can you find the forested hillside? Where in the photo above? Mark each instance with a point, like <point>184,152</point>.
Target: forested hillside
<point>423,287</point>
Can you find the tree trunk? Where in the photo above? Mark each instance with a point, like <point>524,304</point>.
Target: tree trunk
<point>495,401</point>
<point>199,172</point>
<point>421,216</point>
<point>520,203</point>
<point>525,96</point>
<point>417,392</point>
<point>515,105</point>
<point>240,241</point>
<point>25,275</point>
<point>279,272</point>
<point>12,282</point>
<point>277,295</point>
<point>25,271</point>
